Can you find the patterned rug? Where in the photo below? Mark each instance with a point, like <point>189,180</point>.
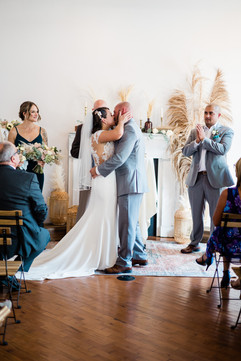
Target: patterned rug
<point>165,259</point>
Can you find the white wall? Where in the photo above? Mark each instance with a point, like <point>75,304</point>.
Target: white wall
<point>57,52</point>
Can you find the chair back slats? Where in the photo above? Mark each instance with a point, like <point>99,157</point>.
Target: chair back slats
<point>11,213</point>
<point>3,238</point>
<point>12,267</point>
<point>5,230</point>
<point>10,222</point>
<point>11,218</point>
<point>231,220</point>
<point>231,224</point>
<point>4,312</point>
<point>8,241</point>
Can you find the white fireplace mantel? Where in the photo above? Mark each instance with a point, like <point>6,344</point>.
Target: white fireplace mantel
<point>157,147</point>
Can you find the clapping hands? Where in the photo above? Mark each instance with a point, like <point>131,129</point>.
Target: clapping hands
<point>200,133</point>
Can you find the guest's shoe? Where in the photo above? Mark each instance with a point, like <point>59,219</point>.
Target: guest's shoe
<point>225,280</point>
<point>237,271</point>
<point>190,249</point>
<point>141,262</point>
<point>236,284</point>
<point>204,261</point>
<point>118,269</point>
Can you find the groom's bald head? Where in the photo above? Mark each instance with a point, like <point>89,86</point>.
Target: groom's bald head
<point>122,108</point>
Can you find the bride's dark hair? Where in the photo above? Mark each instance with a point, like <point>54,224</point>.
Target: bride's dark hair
<point>97,115</point>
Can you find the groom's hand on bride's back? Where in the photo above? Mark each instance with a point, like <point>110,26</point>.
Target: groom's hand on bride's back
<point>93,172</point>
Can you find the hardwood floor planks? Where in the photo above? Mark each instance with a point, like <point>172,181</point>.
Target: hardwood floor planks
<point>102,318</point>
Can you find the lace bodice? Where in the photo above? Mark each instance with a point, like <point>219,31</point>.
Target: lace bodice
<point>100,151</point>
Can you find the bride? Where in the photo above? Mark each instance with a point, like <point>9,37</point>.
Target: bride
<point>93,242</point>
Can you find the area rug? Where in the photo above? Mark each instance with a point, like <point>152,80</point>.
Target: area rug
<point>165,259</point>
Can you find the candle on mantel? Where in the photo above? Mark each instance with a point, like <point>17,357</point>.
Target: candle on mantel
<point>161,116</point>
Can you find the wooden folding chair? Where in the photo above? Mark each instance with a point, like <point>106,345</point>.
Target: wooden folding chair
<point>229,220</point>
<point>11,267</point>
<point>4,313</point>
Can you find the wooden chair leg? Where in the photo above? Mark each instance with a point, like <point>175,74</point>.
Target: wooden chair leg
<point>237,321</point>
<point>3,334</point>
<point>11,299</point>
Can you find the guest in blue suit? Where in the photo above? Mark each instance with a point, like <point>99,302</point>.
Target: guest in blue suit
<point>128,162</point>
<point>209,171</point>
<point>20,190</point>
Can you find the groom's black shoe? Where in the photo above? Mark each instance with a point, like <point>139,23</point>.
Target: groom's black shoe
<point>118,269</point>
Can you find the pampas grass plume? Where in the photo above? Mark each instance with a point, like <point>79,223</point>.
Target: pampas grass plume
<point>57,180</point>
<point>124,93</point>
<point>150,108</point>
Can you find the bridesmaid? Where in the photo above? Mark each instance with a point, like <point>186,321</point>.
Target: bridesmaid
<point>29,132</point>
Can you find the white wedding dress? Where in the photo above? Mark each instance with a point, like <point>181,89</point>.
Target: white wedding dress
<point>93,242</point>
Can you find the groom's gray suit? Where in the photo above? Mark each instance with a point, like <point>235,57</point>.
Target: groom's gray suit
<point>207,185</point>
<point>128,162</point>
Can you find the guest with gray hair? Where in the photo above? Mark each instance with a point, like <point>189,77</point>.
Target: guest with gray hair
<point>19,190</point>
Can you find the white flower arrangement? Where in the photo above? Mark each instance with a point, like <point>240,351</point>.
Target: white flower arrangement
<point>166,133</point>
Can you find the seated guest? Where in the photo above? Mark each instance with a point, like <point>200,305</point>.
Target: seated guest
<point>20,190</point>
<point>229,202</point>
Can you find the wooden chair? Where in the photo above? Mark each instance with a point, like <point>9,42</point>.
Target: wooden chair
<point>11,267</point>
<point>4,313</point>
<point>229,220</point>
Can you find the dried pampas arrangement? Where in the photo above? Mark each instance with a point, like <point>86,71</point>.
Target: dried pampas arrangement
<point>185,110</point>
<point>150,108</point>
<point>59,199</point>
<point>57,179</point>
<point>219,96</point>
<point>124,93</point>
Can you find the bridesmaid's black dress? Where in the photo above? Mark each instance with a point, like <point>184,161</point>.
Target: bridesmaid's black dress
<point>31,164</point>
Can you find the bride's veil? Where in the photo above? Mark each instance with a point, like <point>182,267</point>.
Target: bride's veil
<point>85,161</point>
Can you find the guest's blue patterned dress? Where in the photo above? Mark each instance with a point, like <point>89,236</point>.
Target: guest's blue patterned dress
<point>232,239</point>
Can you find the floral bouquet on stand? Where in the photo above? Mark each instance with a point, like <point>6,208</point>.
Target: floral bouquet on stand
<point>39,153</point>
<point>5,127</point>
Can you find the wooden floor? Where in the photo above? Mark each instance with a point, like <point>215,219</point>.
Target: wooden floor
<point>101,318</point>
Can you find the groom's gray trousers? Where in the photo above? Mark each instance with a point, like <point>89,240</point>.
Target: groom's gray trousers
<point>202,191</point>
<point>131,244</point>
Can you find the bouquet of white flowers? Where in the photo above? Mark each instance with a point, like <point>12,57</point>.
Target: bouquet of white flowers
<point>39,153</point>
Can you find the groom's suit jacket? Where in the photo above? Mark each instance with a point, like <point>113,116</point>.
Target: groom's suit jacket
<point>128,161</point>
<point>20,190</point>
<point>217,147</point>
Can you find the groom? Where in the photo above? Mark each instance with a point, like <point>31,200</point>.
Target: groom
<point>128,162</point>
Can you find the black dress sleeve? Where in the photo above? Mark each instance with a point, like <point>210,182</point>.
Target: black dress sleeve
<point>76,143</point>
